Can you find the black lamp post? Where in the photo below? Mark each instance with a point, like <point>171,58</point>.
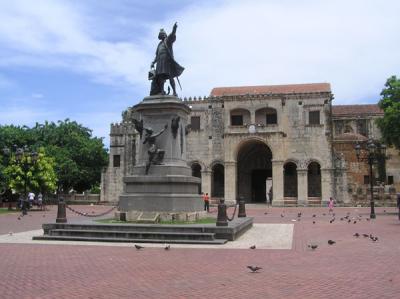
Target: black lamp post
<point>26,160</point>
<point>371,155</point>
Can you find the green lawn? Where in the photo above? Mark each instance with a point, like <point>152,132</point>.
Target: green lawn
<point>6,211</point>
<point>200,221</point>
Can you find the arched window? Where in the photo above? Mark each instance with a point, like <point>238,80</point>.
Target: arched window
<point>266,116</point>
<point>240,117</point>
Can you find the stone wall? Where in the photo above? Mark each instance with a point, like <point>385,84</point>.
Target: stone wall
<point>122,144</point>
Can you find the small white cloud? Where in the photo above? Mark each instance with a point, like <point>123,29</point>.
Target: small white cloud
<point>37,95</point>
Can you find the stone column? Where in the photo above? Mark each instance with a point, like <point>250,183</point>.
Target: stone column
<point>206,181</point>
<point>302,187</point>
<point>230,182</point>
<point>277,183</point>
<point>326,185</point>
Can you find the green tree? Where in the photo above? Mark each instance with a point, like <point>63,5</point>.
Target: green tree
<point>79,157</point>
<point>390,103</point>
<point>26,175</point>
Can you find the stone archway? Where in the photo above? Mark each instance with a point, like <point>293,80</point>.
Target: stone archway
<point>314,179</point>
<point>254,167</point>
<point>196,172</point>
<point>218,181</point>
<point>290,180</point>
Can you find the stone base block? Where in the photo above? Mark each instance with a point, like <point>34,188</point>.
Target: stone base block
<point>160,202</point>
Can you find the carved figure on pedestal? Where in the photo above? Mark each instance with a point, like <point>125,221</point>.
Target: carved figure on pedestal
<point>175,125</point>
<point>138,126</point>
<point>156,155</point>
<point>166,66</point>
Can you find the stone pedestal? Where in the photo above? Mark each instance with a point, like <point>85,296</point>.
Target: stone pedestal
<point>169,187</point>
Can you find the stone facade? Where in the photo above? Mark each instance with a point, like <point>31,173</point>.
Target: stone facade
<point>245,140</point>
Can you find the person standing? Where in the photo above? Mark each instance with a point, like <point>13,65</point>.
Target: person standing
<point>31,197</point>
<point>40,200</point>
<point>206,200</point>
<point>398,202</point>
<point>270,196</point>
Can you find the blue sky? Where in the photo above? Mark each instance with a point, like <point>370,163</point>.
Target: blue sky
<point>88,60</point>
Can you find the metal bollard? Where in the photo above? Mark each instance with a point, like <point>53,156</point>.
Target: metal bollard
<point>61,211</point>
<point>222,219</point>
<point>242,207</point>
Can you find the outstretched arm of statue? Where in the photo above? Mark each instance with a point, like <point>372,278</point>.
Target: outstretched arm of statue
<point>174,28</point>
<point>162,131</point>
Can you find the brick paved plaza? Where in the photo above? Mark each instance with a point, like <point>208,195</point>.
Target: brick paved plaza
<point>351,268</point>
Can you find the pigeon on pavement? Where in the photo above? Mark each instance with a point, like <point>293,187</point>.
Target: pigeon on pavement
<point>253,247</point>
<point>254,268</point>
<point>356,235</point>
<point>331,242</point>
<point>313,246</point>
<point>138,247</point>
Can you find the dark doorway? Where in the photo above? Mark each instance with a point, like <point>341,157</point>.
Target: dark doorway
<point>258,184</point>
<point>218,181</point>
<point>196,172</point>
<point>290,180</point>
<point>254,166</point>
<point>314,180</point>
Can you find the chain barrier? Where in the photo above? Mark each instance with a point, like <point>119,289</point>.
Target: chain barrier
<point>90,215</point>
<point>233,215</point>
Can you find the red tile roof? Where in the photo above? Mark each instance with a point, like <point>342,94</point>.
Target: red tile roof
<point>343,110</point>
<point>264,89</point>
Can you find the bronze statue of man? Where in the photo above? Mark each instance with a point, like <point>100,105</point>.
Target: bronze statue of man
<point>166,66</point>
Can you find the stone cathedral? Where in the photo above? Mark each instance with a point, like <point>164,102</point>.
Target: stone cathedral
<point>285,141</point>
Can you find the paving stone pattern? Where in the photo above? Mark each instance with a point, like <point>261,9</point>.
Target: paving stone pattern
<point>351,268</point>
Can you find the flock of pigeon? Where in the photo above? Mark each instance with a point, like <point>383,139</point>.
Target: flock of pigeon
<point>347,218</point>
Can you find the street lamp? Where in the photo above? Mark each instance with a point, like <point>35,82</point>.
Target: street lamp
<point>371,155</point>
<point>26,160</point>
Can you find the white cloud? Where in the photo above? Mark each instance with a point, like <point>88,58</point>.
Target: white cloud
<point>53,34</point>
<point>6,82</point>
<point>351,44</point>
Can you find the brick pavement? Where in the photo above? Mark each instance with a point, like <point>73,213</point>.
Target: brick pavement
<point>351,268</point>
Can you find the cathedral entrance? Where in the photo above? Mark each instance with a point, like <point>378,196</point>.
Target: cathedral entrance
<point>254,168</point>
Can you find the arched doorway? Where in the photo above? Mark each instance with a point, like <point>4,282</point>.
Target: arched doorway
<point>290,180</point>
<point>218,181</point>
<point>196,172</point>
<point>314,179</point>
<point>254,167</point>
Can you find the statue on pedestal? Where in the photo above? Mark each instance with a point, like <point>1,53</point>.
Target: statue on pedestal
<point>156,155</point>
<point>166,66</point>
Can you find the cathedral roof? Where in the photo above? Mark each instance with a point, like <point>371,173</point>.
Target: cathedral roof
<point>265,89</point>
<point>353,110</point>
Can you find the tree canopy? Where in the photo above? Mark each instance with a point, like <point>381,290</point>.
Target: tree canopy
<point>78,156</point>
<point>390,103</point>
<point>39,176</point>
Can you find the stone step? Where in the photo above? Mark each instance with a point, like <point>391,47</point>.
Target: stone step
<point>97,233</point>
<point>128,227</point>
<point>125,240</point>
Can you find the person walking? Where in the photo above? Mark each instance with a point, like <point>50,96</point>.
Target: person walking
<point>331,204</point>
<point>206,200</point>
